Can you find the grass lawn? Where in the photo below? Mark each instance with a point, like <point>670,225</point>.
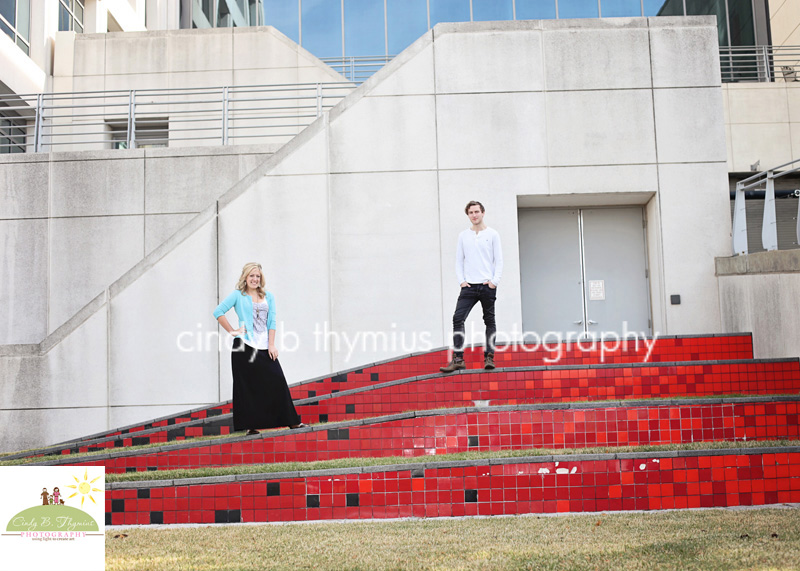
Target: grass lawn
<point>706,539</point>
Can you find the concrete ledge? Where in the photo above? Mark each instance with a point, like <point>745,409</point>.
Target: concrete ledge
<point>775,262</point>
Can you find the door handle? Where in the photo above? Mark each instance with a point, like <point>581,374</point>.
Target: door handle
<point>592,322</point>
<point>578,322</point>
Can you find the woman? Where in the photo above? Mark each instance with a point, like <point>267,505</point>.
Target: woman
<point>261,397</point>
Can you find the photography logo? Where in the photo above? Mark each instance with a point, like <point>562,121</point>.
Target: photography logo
<point>57,519</point>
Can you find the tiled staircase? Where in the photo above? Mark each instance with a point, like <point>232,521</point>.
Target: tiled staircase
<point>691,390</point>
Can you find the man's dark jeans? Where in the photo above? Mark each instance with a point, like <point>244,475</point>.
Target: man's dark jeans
<point>466,301</point>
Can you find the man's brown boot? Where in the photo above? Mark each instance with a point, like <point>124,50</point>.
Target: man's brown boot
<point>488,362</point>
<point>454,365</point>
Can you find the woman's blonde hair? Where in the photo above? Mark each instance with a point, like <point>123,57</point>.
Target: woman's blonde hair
<point>241,285</point>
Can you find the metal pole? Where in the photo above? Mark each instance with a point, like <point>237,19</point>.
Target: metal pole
<point>319,100</point>
<point>224,115</point>
<point>131,135</point>
<point>739,234</point>
<point>37,128</point>
<point>769,228</point>
<point>798,222</point>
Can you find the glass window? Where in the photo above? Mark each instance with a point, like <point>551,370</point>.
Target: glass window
<point>6,29</point>
<point>407,20</point>
<point>284,16</point>
<point>449,11</point>
<point>577,9</point>
<point>70,15</point>
<point>711,8</point>
<point>487,10</point>
<point>364,28</point>
<point>15,22</point>
<point>536,9</point>
<point>12,135</point>
<point>23,18</point>
<point>743,32</point>
<point>64,19</point>
<point>663,7</point>
<point>620,8</point>
<point>322,27</point>
<point>8,10</point>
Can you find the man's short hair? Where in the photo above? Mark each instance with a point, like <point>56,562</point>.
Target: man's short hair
<point>472,203</point>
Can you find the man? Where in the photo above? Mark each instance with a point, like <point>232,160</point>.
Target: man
<point>479,263</point>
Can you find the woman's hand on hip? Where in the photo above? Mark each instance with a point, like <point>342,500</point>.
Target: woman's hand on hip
<point>273,352</point>
<point>237,332</point>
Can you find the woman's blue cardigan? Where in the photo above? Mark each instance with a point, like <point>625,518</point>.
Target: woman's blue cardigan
<point>243,304</point>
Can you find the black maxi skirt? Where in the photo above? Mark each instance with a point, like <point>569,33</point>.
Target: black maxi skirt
<point>261,397</point>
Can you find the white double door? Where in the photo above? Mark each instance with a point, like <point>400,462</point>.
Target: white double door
<point>584,272</point>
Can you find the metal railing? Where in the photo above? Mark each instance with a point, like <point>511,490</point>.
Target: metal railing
<point>357,69</point>
<point>162,117</point>
<point>760,63</point>
<point>769,228</point>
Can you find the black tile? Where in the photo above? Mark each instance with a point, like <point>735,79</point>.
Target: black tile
<point>273,488</point>
<point>140,440</point>
<point>470,496</point>
<point>339,378</point>
<point>171,421</point>
<point>312,394</point>
<point>143,493</point>
<point>221,516</point>
<point>130,469</point>
<point>234,516</point>
<point>334,391</point>
<point>213,412</point>
<point>373,377</point>
<point>312,501</point>
<point>344,434</point>
<point>211,430</point>
<point>117,506</point>
<point>118,444</point>
<point>156,517</point>
<point>350,408</point>
<point>108,518</point>
<point>472,441</point>
<point>152,468</point>
<point>323,418</point>
<point>352,500</point>
<point>333,434</point>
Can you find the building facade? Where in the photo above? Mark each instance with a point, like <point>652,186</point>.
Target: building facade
<point>603,149</point>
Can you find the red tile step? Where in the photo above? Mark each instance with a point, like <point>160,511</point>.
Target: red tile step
<point>511,386</point>
<point>511,486</point>
<point>557,384</point>
<point>663,349</point>
<point>437,432</point>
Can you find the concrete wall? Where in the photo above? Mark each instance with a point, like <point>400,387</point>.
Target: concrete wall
<point>355,220</point>
<point>784,21</point>
<point>760,293</point>
<point>762,123</point>
<point>72,223</point>
<point>178,59</point>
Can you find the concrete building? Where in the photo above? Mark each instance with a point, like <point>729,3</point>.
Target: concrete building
<point>602,148</point>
